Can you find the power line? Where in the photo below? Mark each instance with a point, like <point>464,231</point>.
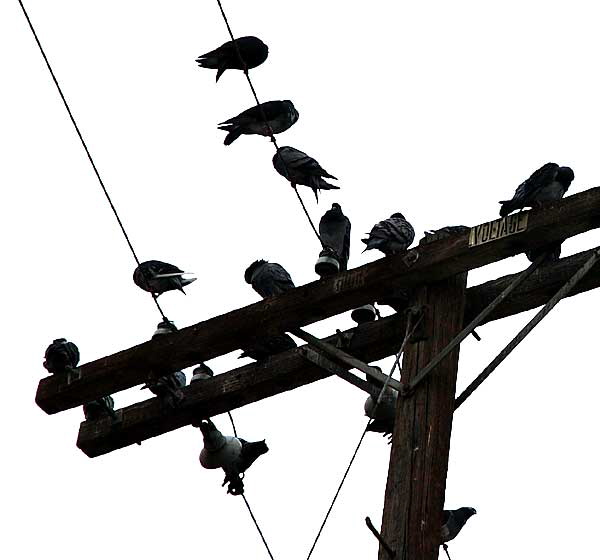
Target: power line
<point>258,527</point>
<point>264,117</point>
<point>87,151</point>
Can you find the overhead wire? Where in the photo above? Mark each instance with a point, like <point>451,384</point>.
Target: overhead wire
<point>264,118</point>
<point>85,147</point>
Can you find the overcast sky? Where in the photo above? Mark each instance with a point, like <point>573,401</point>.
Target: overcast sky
<point>435,109</point>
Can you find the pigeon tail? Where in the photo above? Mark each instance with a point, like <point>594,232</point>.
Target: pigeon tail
<point>508,206</point>
<point>232,136</point>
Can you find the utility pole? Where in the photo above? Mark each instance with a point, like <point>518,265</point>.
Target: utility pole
<point>414,496</point>
<point>434,273</point>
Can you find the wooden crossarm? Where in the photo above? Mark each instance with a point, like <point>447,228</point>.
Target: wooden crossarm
<point>286,371</point>
<point>316,301</point>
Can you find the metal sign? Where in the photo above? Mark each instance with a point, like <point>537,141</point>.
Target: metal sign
<point>490,231</point>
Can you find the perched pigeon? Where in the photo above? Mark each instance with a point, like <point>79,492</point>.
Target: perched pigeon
<point>552,252</point>
<point>103,407</point>
<point>61,356</point>
<point>201,373</point>
<point>263,349</point>
<point>300,169</point>
<point>448,231</point>
<point>251,49</point>
<point>454,520</point>
<point>158,277</point>
<point>334,230</point>
<point>548,183</point>
<point>279,115</point>
<point>233,455</point>
<point>391,236</point>
<point>268,279</point>
<point>166,386</point>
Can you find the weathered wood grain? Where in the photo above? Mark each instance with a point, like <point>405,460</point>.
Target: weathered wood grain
<point>313,302</point>
<point>416,484</point>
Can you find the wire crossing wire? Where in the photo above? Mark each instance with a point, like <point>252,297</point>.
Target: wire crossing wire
<point>258,527</point>
<point>87,151</point>
<point>264,117</point>
<point>410,329</point>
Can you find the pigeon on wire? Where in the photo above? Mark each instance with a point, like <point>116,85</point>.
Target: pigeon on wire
<point>61,356</point>
<point>166,386</point>
<point>201,373</point>
<point>268,279</point>
<point>158,277</point>
<point>103,407</point>
<point>279,115</point>
<point>300,169</point>
<point>267,347</point>
<point>334,231</point>
<point>453,521</point>
<point>251,49</point>
<point>392,236</point>
<point>547,184</point>
<point>233,455</point>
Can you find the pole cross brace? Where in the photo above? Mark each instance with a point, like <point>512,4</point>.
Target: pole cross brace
<point>342,357</point>
<point>473,324</point>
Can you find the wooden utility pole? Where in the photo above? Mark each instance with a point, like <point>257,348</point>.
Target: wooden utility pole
<point>414,496</point>
<point>435,274</point>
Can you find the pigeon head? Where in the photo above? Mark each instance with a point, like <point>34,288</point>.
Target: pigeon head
<point>252,269</point>
<point>565,176</point>
<point>164,327</point>
<point>466,512</point>
<point>398,215</point>
<point>292,111</point>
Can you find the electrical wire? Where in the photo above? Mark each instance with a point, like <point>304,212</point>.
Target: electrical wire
<point>264,117</point>
<point>87,151</point>
<point>257,527</point>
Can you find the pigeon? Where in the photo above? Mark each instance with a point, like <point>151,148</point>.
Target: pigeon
<point>442,233</point>
<point>232,454</point>
<point>391,236</point>
<point>334,230</point>
<point>267,347</point>
<point>552,252</point>
<point>454,520</point>
<point>61,356</point>
<point>300,169</point>
<point>279,115</point>
<point>166,386</point>
<point>252,50</point>
<point>158,277</point>
<point>99,409</point>
<point>201,373</point>
<point>268,279</point>
<point>548,183</point>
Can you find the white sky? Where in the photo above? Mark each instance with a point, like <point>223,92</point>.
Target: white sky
<point>435,109</point>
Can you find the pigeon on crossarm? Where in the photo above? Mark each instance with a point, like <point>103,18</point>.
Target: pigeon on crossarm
<point>334,230</point>
<point>279,115</point>
<point>61,356</point>
<point>300,169</point>
<point>158,277</point>
<point>392,236</point>
<point>453,521</point>
<point>268,279</point>
<point>251,49</point>
<point>267,347</point>
<point>547,184</point>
